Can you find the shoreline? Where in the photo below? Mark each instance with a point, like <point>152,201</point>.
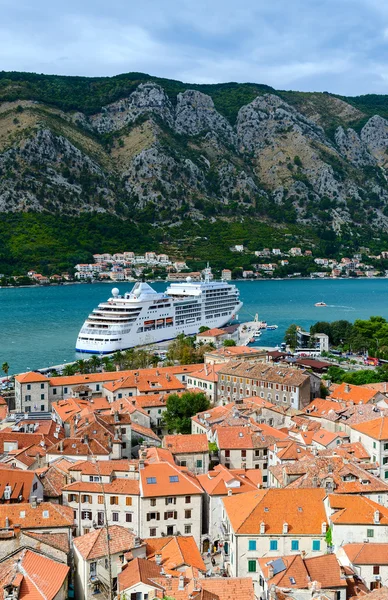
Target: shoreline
<point>255,280</point>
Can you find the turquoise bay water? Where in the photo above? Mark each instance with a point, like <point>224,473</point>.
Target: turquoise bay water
<point>39,326</point>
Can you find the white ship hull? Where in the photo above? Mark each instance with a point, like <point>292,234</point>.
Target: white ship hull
<point>143,316</point>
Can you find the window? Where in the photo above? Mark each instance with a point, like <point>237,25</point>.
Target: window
<point>374,444</point>
<point>199,464</point>
<point>171,514</point>
<point>385,474</point>
<point>251,566</point>
<point>152,501</point>
<point>94,478</point>
<point>243,453</point>
<point>153,532</point>
<point>187,514</point>
<point>42,396</point>
<point>170,500</point>
<point>370,533</point>
<point>42,386</point>
<point>86,514</point>
<point>187,499</point>
<point>227,453</point>
<point>316,545</point>
<point>187,528</point>
<point>153,515</point>
<point>273,545</point>
<point>54,391</point>
<point>100,500</point>
<point>294,545</point>
<point>27,398</point>
<point>42,408</point>
<point>376,570</point>
<point>114,499</point>
<point>93,568</point>
<point>65,390</point>
<point>28,386</point>
<point>115,516</point>
<point>86,499</point>
<point>128,501</point>
<point>170,530</point>
<point>97,387</point>
<point>151,480</point>
<point>386,446</point>
<point>128,517</point>
<point>252,545</point>
<point>174,479</point>
<point>34,487</point>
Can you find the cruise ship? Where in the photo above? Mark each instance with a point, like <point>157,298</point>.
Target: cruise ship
<point>143,316</point>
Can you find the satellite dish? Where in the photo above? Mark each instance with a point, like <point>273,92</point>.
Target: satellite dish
<point>188,279</point>
<point>115,292</point>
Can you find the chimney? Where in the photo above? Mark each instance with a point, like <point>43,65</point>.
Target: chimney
<point>158,559</point>
<point>262,527</point>
<point>116,416</point>
<point>376,517</point>
<point>230,493</point>
<point>324,527</point>
<point>141,464</point>
<point>270,571</point>
<point>181,584</point>
<point>347,388</point>
<point>7,522</point>
<point>86,439</point>
<point>61,446</point>
<point>33,502</point>
<point>285,528</point>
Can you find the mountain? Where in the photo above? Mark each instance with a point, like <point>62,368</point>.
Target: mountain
<point>153,159</point>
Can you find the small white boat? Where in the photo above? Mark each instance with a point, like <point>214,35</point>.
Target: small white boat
<point>272,326</point>
<point>320,304</point>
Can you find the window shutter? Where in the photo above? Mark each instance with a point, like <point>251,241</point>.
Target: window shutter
<point>158,516</point>
<point>165,516</point>
<point>148,516</point>
<point>129,501</point>
<point>166,501</point>
<point>175,514</point>
<point>174,500</point>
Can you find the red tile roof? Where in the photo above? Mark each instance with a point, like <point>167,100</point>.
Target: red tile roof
<point>94,545</point>
<point>39,577</point>
<point>303,510</point>
<point>175,552</point>
<point>367,554</point>
<point>186,444</point>
<point>44,515</point>
<point>19,482</point>
<point>31,377</point>
<point>165,479</point>
<point>356,510</point>
<point>376,429</point>
<point>220,480</point>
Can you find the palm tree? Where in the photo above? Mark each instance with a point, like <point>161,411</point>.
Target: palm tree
<point>118,359</point>
<point>81,366</point>
<point>95,362</point>
<point>68,370</point>
<point>5,368</point>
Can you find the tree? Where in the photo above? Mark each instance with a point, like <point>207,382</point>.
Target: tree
<point>290,337</point>
<point>95,362</point>
<point>227,343</point>
<point>5,369</point>
<point>180,409</point>
<point>203,328</point>
<point>68,370</point>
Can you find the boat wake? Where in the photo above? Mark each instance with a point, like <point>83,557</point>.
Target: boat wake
<point>349,308</point>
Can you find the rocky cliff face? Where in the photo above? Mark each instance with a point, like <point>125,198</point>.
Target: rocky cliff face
<point>176,156</point>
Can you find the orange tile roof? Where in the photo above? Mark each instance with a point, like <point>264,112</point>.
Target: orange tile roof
<point>376,429</point>
<point>31,377</point>
<point>144,431</point>
<point>116,375</point>
<point>258,436</point>
<point>155,454</point>
<point>175,552</point>
<point>320,407</point>
<point>353,393</point>
<point>303,510</point>
<point>39,577</point>
<point>60,541</point>
<point>231,351</point>
<point>94,545</point>
<point>77,447</point>
<point>186,444</point>
<point>23,439</point>
<point>228,588</point>
<point>20,483</point>
<point>165,475</point>
<point>356,510</point>
<point>323,569</point>
<point>212,332</point>
<point>325,437</point>
<point>104,467</point>
<point>138,570</point>
<point>207,372</point>
<point>220,480</point>
<point>367,554</point>
<point>34,518</point>
<point>130,487</point>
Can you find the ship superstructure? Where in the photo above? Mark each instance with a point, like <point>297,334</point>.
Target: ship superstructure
<point>143,316</point>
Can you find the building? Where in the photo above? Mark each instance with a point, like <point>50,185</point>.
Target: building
<point>286,386</point>
<point>213,336</point>
<point>29,574</point>
<point>170,501</point>
<point>205,379</point>
<point>253,527</point>
<point>91,559</point>
<point>374,437</point>
<point>226,274</point>
<point>227,353</point>
<point>369,561</point>
<point>304,577</point>
<point>31,392</point>
<point>190,451</point>
<point>19,486</point>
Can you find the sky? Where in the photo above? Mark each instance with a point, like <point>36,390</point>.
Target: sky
<point>340,46</point>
